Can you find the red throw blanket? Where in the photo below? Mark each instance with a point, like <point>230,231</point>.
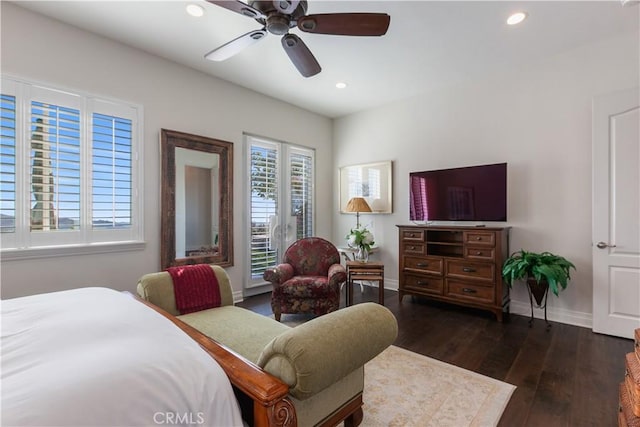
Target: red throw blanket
<point>195,287</point>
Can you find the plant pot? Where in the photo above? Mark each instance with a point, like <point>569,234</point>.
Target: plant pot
<point>538,289</point>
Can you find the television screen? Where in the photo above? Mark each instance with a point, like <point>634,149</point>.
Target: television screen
<point>474,193</point>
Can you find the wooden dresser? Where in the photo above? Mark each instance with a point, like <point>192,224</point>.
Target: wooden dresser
<point>629,392</point>
<point>459,265</point>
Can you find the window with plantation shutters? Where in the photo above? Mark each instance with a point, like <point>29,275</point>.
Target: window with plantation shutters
<point>281,205</point>
<point>70,172</point>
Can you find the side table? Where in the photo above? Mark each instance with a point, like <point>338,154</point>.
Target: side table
<point>368,271</point>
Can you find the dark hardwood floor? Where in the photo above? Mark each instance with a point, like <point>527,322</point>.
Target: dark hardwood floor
<point>567,376</point>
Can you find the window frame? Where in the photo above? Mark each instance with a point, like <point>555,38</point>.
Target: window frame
<point>25,244</point>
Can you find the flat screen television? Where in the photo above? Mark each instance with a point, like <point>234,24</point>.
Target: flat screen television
<point>473,193</point>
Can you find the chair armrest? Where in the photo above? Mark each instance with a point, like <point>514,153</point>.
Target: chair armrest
<point>337,274</point>
<point>322,351</point>
<point>278,274</point>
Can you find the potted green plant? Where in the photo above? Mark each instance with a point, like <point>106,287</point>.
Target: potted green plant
<point>542,271</point>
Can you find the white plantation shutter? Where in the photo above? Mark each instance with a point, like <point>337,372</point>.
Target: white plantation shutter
<point>54,161</point>
<point>7,163</point>
<point>111,180</point>
<point>301,170</point>
<point>70,172</point>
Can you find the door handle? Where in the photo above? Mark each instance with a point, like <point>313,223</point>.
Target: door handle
<point>603,245</point>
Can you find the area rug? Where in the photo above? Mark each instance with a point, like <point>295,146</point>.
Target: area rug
<point>406,389</point>
<point>403,388</point>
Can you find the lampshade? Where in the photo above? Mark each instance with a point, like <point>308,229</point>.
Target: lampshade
<point>357,204</point>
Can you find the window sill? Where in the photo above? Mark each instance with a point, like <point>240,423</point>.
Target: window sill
<point>70,250</point>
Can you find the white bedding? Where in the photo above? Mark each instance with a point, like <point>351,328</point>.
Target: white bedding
<point>95,356</point>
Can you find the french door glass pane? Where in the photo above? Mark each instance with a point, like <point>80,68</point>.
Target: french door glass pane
<point>264,207</point>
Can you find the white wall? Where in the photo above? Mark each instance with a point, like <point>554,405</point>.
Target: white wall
<point>174,97</point>
<point>538,120</point>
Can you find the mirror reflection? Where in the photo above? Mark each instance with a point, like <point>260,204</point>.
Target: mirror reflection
<point>196,212</point>
<point>197,188</point>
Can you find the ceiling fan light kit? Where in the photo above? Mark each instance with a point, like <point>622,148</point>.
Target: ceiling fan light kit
<point>279,16</point>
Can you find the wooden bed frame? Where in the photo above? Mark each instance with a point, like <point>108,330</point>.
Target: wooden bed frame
<point>269,395</point>
<point>263,398</point>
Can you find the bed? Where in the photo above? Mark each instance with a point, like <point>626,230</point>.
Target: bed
<point>99,357</point>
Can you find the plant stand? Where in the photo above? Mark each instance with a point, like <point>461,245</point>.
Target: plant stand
<point>540,292</point>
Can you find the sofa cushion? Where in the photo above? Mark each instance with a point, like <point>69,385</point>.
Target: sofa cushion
<point>245,332</point>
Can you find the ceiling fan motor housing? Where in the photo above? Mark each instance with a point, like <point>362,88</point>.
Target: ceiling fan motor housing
<point>276,22</point>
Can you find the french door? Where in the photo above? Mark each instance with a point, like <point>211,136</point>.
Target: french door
<point>281,201</point>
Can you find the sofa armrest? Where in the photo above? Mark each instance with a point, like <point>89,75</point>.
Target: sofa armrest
<point>320,352</point>
<point>157,288</point>
<point>278,274</point>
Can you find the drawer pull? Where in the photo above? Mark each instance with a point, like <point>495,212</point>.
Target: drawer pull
<point>412,235</point>
<point>478,238</point>
<point>468,270</point>
<point>478,253</point>
<point>469,291</point>
<point>422,282</point>
<point>422,264</point>
<point>413,248</point>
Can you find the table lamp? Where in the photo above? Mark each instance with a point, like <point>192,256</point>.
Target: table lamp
<point>357,205</point>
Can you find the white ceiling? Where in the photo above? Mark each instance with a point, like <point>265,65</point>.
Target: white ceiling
<point>429,44</point>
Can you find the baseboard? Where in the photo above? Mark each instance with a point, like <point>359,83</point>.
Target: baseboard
<point>570,317</point>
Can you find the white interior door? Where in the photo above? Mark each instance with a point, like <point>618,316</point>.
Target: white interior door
<point>616,213</point>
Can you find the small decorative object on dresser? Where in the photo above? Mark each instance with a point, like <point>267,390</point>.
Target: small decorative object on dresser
<point>455,264</point>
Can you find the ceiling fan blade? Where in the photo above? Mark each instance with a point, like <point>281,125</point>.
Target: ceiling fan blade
<point>300,55</point>
<point>239,7</point>
<point>233,47</point>
<point>346,24</point>
<point>286,7</point>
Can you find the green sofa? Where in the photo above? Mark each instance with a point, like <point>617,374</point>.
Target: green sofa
<point>322,361</point>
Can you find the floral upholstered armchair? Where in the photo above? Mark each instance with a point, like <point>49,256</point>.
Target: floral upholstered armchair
<point>308,280</point>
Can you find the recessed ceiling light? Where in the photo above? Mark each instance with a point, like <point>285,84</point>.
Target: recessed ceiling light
<point>195,10</point>
<point>517,18</point>
<point>341,85</point>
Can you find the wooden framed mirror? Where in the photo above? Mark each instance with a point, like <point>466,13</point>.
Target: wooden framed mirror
<point>197,200</point>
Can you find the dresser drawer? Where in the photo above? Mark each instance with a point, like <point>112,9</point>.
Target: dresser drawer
<point>469,291</point>
<point>488,254</point>
<point>430,265</point>
<point>471,270</point>
<point>412,235</point>
<point>433,285</point>
<point>413,248</point>
<point>483,238</point>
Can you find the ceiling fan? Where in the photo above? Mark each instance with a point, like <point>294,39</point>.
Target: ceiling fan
<point>278,16</point>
